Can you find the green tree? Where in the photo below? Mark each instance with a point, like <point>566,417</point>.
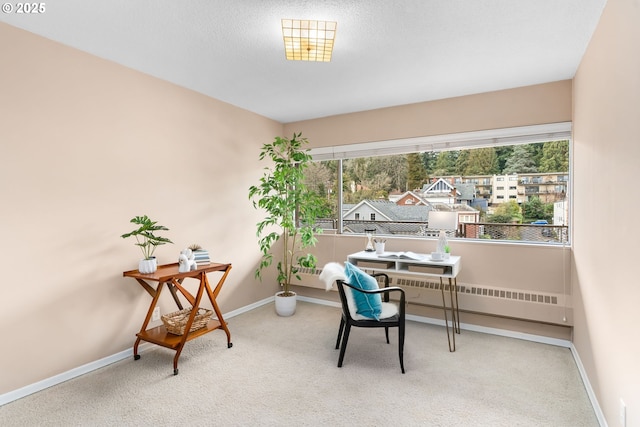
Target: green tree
<point>503,153</point>
<point>534,209</point>
<point>482,161</point>
<point>445,163</point>
<point>396,169</point>
<point>520,161</point>
<point>320,178</point>
<point>416,173</point>
<point>355,171</point>
<point>462,162</point>
<point>369,178</point>
<point>506,213</point>
<point>429,159</point>
<point>555,156</point>
<point>536,152</point>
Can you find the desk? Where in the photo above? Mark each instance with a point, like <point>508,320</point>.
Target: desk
<point>448,269</point>
<point>170,276</point>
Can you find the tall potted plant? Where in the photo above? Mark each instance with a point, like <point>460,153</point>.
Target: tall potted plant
<point>291,212</point>
<point>147,241</point>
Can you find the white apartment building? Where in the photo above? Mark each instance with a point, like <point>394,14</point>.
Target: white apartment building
<point>550,187</point>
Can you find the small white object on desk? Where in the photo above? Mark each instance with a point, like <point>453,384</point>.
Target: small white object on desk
<point>186,261</point>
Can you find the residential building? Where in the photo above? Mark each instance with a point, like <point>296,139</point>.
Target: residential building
<point>408,215</point>
<point>548,187</point>
<point>408,198</point>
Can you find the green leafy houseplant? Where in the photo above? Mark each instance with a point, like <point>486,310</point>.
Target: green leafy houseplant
<point>289,206</point>
<point>145,236</point>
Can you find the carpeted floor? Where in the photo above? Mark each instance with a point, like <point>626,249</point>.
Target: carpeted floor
<point>282,372</point>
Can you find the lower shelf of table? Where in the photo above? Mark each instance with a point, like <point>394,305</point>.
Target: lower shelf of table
<point>160,336</point>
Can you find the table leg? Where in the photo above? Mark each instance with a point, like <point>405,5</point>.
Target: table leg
<point>154,301</point>
<point>192,316</point>
<point>212,297</point>
<point>174,294</point>
<point>136,356</point>
<point>455,286</point>
<point>177,284</point>
<point>454,312</point>
<point>451,338</point>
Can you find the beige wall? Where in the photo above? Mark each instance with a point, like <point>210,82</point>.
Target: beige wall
<point>531,105</point>
<point>503,266</point>
<point>87,145</point>
<point>494,265</point>
<point>80,137</point>
<point>606,155</point>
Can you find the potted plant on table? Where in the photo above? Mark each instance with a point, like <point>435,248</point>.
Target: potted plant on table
<point>147,241</point>
<point>292,209</point>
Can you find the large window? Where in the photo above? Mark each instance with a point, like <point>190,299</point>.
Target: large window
<point>404,188</point>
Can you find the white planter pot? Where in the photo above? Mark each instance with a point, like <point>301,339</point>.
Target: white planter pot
<point>146,266</point>
<point>285,305</point>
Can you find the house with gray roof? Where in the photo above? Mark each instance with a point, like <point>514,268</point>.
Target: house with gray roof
<point>386,217</point>
<point>394,217</point>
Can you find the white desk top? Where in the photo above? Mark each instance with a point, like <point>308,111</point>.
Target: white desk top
<point>450,267</point>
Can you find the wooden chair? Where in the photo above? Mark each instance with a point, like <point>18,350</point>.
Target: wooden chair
<point>392,315</point>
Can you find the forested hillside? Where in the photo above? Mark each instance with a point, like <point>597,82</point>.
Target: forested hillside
<point>376,177</point>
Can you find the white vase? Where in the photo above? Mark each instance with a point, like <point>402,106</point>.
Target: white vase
<point>146,266</point>
<point>442,242</point>
<point>285,305</point>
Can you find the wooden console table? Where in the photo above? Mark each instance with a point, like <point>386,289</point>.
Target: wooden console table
<point>170,276</point>
<point>445,269</point>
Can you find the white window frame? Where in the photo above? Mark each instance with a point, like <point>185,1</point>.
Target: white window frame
<point>455,141</point>
<point>448,142</point>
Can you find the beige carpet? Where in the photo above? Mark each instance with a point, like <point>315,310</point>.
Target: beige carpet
<point>282,372</point>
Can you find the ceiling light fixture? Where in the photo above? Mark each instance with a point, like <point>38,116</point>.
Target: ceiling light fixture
<point>308,40</point>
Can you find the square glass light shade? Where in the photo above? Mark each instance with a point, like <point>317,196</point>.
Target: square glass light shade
<point>308,40</point>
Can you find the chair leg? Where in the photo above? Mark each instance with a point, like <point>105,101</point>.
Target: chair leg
<point>340,333</point>
<point>386,333</point>
<point>343,348</point>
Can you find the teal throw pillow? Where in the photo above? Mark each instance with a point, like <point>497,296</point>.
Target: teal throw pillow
<point>368,305</point>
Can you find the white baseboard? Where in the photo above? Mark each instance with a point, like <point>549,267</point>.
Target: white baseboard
<point>468,327</point>
<point>509,334</point>
<point>249,307</point>
<point>70,374</point>
<point>92,366</point>
<point>587,386</point>
<point>84,369</point>
<point>319,301</point>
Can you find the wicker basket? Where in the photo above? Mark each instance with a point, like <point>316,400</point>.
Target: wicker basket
<point>177,321</point>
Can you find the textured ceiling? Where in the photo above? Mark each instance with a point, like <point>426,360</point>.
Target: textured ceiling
<point>387,52</point>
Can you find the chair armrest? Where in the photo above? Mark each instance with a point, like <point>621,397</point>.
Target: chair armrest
<point>385,290</point>
<point>386,283</point>
<point>384,275</point>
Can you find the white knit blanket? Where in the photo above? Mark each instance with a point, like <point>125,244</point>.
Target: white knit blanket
<point>330,273</point>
